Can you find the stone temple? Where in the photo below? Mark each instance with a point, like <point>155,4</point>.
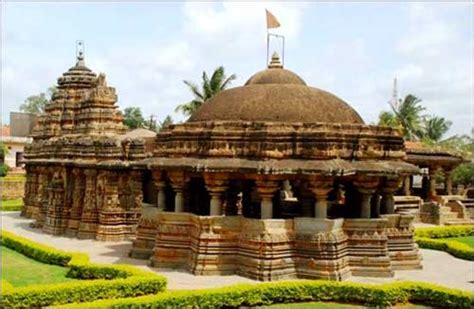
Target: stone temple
<point>274,179</point>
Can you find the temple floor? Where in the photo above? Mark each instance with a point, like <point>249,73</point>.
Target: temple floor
<point>438,267</point>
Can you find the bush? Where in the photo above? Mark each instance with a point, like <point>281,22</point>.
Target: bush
<point>445,231</point>
<point>11,205</point>
<point>4,170</point>
<point>296,291</point>
<point>111,281</point>
<point>428,238</point>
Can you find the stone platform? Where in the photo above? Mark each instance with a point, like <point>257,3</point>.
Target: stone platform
<point>274,249</point>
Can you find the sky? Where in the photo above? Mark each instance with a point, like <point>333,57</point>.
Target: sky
<point>353,50</point>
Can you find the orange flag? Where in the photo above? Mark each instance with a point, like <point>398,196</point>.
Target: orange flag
<point>272,22</point>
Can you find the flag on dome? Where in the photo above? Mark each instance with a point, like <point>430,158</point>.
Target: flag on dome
<point>272,22</point>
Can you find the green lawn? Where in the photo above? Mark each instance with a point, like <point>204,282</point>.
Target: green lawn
<point>20,270</point>
<point>11,205</point>
<point>467,240</point>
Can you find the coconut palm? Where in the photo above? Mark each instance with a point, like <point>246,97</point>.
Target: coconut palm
<point>436,127</point>
<point>408,113</point>
<point>209,87</point>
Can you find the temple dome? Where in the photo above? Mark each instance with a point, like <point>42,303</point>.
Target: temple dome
<point>276,95</point>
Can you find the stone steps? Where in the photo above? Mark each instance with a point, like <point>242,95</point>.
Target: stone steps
<point>459,222</point>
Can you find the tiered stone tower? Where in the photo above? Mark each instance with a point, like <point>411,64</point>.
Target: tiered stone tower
<point>78,177</point>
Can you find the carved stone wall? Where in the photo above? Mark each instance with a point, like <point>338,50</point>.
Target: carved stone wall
<point>276,249</point>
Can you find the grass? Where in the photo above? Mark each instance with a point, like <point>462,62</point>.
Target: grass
<point>13,177</point>
<point>20,270</point>
<point>467,240</point>
<point>11,205</point>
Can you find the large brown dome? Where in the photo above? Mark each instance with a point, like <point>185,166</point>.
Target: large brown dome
<point>277,95</point>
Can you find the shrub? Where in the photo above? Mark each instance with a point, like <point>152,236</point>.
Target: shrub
<point>296,291</point>
<point>428,238</point>
<point>111,281</point>
<point>4,170</point>
<point>445,231</point>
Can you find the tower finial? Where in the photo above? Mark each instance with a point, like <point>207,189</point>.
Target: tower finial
<point>275,62</point>
<point>80,53</point>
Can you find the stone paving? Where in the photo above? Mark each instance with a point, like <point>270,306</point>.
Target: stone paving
<point>438,267</point>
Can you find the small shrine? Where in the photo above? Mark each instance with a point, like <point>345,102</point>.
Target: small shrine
<point>78,178</point>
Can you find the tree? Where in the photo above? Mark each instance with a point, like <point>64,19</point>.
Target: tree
<point>209,87</point>
<point>406,115</point>
<point>36,103</point>
<point>133,117</point>
<point>166,122</point>
<point>3,167</point>
<point>435,127</point>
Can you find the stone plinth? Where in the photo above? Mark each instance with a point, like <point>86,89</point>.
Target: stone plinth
<point>402,248</point>
<point>273,249</point>
<point>321,246</point>
<point>146,233</point>
<point>367,247</point>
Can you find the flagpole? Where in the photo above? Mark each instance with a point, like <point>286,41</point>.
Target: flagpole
<point>268,47</point>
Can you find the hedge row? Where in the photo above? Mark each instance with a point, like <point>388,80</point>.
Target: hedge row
<point>111,281</point>
<point>445,231</point>
<point>297,291</point>
<point>452,247</point>
<point>428,238</point>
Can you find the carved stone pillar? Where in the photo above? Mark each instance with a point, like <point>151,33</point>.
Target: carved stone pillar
<point>448,182</point>
<point>387,204</point>
<point>375,205</point>
<point>366,188</point>
<point>178,181</point>
<point>266,189</point>
<point>320,188</point>
<point>407,186</point>
<point>216,184</point>
<point>432,195</point>
<point>160,185</point>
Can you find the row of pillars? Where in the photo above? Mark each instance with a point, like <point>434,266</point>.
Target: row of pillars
<point>431,189</point>
<point>320,188</point>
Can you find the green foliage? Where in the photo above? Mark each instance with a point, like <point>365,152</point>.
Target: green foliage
<point>408,113</point>
<point>248,295</point>
<point>11,205</point>
<point>4,170</point>
<point>110,281</point>
<point>133,117</point>
<point>463,174</point>
<point>209,87</point>
<point>431,238</point>
<point>444,231</point>
<point>36,104</point>
<point>165,123</point>
<point>436,127</point>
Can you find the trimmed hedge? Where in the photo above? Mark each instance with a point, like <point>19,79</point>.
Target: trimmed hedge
<point>445,231</point>
<point>428,238</point>
<point>110,281</point>
<point>296,291</point>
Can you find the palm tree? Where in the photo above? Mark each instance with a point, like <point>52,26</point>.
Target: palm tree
<point>436,127</point>
<point>218,82</point>
<point>408,114</point>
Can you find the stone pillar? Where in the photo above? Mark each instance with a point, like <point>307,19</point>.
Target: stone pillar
<point>320,186</point>
<point>160,186</point>
<point>432,184</point>
<point>448,182</point>
<point>161,199</point>
<point>266,189</point>
<point>387,204</point>
<point>216,184</point>
<point>407,186</point>
<point>366,187</point>
<point>178,180</point>
<point>375,205</point>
